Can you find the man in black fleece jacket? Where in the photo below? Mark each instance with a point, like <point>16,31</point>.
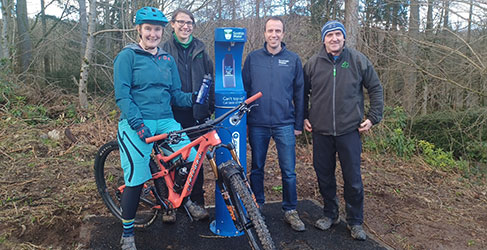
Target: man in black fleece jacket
<point>335,77</point>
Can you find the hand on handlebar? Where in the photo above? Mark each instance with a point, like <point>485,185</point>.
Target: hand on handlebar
<point>143,132</point>
<point>210,124</point>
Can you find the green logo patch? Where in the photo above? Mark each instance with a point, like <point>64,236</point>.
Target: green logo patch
<point>345,65</point>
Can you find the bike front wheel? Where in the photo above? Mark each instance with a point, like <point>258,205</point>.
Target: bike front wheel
<point>109,182</point>
<point>248,214</point>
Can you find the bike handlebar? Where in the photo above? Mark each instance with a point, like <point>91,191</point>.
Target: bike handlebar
<point>156,138</point>
<point>253,98</point>
<point>207,124</point>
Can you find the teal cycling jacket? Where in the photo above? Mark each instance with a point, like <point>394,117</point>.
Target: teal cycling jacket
<point>146,85</point>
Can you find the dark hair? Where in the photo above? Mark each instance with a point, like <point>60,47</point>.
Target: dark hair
<point>184,11</point>
<point>275,18</point>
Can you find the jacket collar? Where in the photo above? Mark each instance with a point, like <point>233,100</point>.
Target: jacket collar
<point>198,46</point>
<point>135,47</point>
<point>329,57</point>
<point>179,43</point>
<point>283,48</point>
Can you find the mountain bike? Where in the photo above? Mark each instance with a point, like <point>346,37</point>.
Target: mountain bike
<point>173,177</point>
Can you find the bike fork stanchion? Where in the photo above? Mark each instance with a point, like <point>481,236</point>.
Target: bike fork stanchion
<point>229,92</point>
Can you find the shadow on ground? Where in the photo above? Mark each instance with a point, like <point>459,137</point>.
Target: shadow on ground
<point>104,233</point>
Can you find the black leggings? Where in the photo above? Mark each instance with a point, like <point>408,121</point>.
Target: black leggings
<point>130,201</point>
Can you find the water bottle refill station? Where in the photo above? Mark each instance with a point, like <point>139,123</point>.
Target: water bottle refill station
<point>229,92</point>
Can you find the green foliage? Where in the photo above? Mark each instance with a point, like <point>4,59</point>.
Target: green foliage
<point>50,143</point>
<point>389,137</point>
<point>5,91</point>
<point>471,243</point>
<point>436,156</point>
<point>476,150</point>
<point>464,132</point>
<point>6,88</point>
<point>402,145</point>
<point>71,111</point>
<point>277,188</point>
<point>32,114</point>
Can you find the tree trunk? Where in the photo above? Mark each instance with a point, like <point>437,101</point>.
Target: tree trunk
<point>24,42</point>
<point>85,63</point>
<point>351,22</point>
<point>4,52</point>
<point>47,64</point>
<point>317,9</point>
<point>446,15</point>
<point>219,9</point>
<point>290,6</point>
<point>429,37</point>
<point>424,106</point>
<point>411,73</point>
<point>395,17</point>
<point>257,9</point>
<point>83,23</point>
<point>469,29</point>
<point>108,25</point>
<point>333,6</point>
<point>429,20</point>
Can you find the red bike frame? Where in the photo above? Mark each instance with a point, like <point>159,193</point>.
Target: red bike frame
<point>204,142</point>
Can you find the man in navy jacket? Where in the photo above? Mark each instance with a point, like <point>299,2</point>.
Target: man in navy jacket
<point>277,73</point>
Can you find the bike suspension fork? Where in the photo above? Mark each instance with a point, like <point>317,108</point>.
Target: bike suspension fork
<point>223,185</point>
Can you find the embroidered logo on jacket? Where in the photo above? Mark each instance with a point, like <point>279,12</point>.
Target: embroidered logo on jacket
<point>283,62</point>
<point>345,65</point>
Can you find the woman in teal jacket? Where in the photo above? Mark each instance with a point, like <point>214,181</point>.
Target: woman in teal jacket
<point>146,84</point>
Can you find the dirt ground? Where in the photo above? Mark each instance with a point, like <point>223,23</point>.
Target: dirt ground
<point>48,190</point>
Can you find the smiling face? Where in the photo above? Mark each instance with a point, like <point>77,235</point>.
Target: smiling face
<point>334,42</point>
<point>274,32</point>
<point>183,27</point>
<point>150,36</point>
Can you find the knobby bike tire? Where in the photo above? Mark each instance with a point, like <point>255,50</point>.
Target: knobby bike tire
<point>109,176</point>
<point>238,186</point>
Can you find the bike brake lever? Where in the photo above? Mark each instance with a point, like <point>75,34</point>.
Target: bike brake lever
<point>235,119</point>
<point>174,138</point>
<point>252,106</point>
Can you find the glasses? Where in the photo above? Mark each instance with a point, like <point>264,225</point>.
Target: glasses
<point>182,23</point>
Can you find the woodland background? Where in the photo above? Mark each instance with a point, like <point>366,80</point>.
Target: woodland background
<point>430,55</point>
<point>56,76</point>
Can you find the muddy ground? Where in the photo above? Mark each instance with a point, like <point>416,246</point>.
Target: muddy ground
<point>48,190</point>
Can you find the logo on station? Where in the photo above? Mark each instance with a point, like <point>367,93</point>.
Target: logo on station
<point>228,33</point>
<point>236,141</point>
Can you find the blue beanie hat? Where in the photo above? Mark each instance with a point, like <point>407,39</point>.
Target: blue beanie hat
<point>332,26</point>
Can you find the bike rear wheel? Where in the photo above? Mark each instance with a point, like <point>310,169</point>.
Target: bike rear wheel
<point>249,215</point>
<point>109,178</point>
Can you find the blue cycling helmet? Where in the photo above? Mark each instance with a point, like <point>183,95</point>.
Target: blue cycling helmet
<point>150,15</point>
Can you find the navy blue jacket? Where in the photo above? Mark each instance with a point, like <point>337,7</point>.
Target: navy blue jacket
<point>280,79</point>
